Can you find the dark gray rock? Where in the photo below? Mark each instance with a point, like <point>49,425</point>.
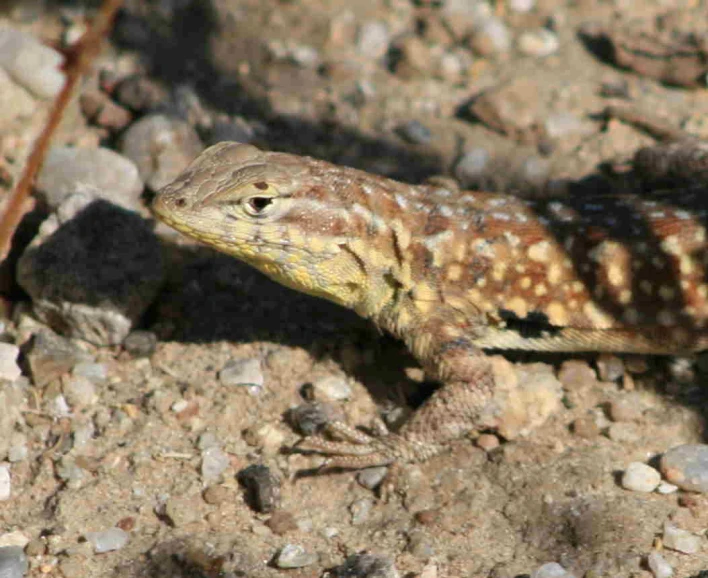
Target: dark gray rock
<point>92,270</point>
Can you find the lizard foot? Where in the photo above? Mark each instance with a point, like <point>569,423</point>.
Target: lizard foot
<point>353,449</point>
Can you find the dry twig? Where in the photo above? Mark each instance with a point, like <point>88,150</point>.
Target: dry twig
<point>79,58</point>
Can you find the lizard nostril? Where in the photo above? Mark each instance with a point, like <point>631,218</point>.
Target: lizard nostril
<point>181,202</point>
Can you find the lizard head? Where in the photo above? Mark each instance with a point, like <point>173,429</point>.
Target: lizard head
<point>269,210</point>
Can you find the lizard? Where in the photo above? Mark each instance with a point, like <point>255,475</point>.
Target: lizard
<point>454,273</point>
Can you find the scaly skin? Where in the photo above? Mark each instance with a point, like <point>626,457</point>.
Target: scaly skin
<point>452,272</point>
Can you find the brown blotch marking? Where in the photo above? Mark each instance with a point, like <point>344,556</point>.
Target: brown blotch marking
<point>261,185</point>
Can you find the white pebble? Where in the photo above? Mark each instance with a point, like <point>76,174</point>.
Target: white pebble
<point>551,570</point>
<point>214,463</point>
<point>640,477</point>
<point>666,488</point>
<point>243,373</point>
<point>107,540</point>
<point>658,566</point>
<point>15,538</point>
<point>332,387</point>
<point>541,42</point>
<point>681,540</point>
<point>5,482</point>
<point>8,362</point>
<point>294,556</point>
<point>32,64</point>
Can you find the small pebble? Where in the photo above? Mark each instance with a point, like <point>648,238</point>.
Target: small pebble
<point>182,510</point>
<point>107,540</point>
<point>487,442</point>
<point>242,373</point>
<point>551,570</point>
<point>540,43</point>
<point>666,488</point>
<point>13,562</point>
<point>140,343</point>
<point>659,566</point>
<point>294,556</point>
<point>332,387</point>
<point>472,165</point>
<point>214,463</point>
<point>97,373</point>
<point>262,488</point>
<point>521,6</point>
<point>560,125</point>
<point>586,427</point>
<point>576,374</point>
<point>640,477</point>
<point>140,93</point>
<point>373,39</point>
<point>215,495</point>
<point>370,478</point>
<point>309,418</point>
<point>490,37</point>
<point>360,510</point>
<point>681,540</point>
<point>414,132</point>
<point>624,432</point>
<point>80,392</point>
<point>610,367</point>
<point>18,450</point>
<point>9,369</point>
<point>282,522</point>
<point>687,467</point>
<point>50,356</point>
<point>161,147</point>
<point>368,566</point>
<point>33,65</point>
<point>16,538</point>
<point>101,171</point>
<point>268,437</point>
<point>626,409</point>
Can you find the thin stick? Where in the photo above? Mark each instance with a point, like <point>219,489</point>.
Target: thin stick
<point>79,58</point>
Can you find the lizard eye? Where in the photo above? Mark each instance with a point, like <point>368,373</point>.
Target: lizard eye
<point>258,206</point>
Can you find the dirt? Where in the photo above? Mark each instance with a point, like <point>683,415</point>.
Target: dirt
<point>293,73</point>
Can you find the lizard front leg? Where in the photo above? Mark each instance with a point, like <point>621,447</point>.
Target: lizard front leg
<point>448,414</point>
